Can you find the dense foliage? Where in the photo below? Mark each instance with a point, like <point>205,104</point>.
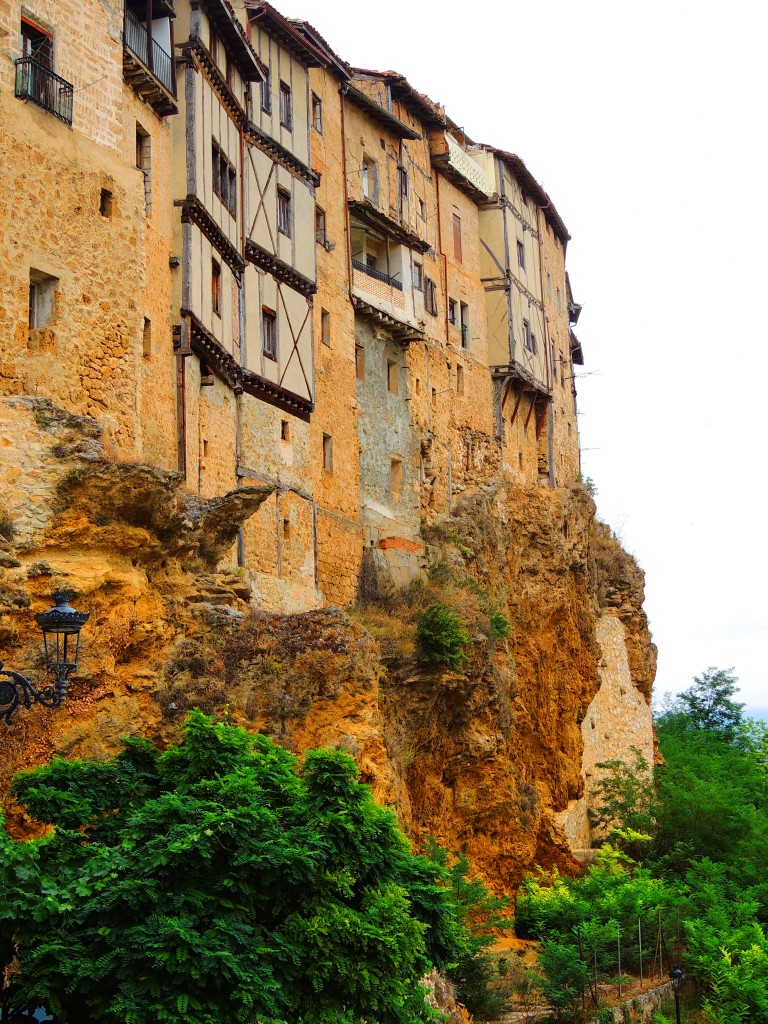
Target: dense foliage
<point>701,832</point>
<point>219,881</point>
<point>441,637</point>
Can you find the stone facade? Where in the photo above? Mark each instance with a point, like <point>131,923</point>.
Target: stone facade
<point>256,265</point>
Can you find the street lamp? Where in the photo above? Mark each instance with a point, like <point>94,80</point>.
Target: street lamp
<point>61,627</point>
<point>676,977</point>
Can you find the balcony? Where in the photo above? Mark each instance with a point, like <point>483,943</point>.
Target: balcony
<point>459,167</point>
<point>38,83</point>
<point>147,66</point>
<point>377,275</point>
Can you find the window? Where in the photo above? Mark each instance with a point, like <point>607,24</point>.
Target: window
<point>393,377</point>
<point>418,276</point>
<point>224,179</point>
<point>529,341</point>
<point>464,325</point>
<point>37,44</point>
<point>216,287</point>
<point>147,338</point>
<point>422,209</point>
<point>285,430</point>
<point>360,362</point>
<point>286,108</point>
<point>457,237</point>
<point>554,361</point>
<point>459,380</point>
<point>452,311</point>
<point>319,225</point>
<point>42,294</point>
<point>430,296</point>
<point>105,203</point>
<point>213,45</point>
<point>144,163</point>
<point>396,478</point>
<point>418,386</point>
<point>325,327</point>
<point>434,398</point>
<point>287,529</point>
<point>317,113</point>
<point>266,93</point>
<point>520,254</point>
<point>402,178</point>
<point>327,453</point>
<point>269,333</point>
<point>284,212</point>
<point>370,179</point>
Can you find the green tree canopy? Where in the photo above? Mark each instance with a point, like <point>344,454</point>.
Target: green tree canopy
<point>219,881</point>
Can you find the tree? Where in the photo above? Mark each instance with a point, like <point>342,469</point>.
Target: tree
<point>624,811</point>
<point>218,881</point>
<point>708,704</point>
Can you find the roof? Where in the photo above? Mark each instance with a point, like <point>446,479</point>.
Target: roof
<point>334,61</point>
<point>401,89</point>
<point>286,33</point>
<point>381,115</point>
<point>534,189</point>
<point>222,15</point>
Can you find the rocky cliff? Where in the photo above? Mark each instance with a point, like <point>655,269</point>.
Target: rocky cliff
<point>497,760</point>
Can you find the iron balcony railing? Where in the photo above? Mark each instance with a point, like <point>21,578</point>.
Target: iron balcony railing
<point>38,83</point>
<point>377,274</point>
<point>157,60</point>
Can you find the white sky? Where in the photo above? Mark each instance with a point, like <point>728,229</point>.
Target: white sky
<point>647,126</point>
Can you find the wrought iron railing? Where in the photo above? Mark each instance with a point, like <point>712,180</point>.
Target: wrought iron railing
<point>377,274</point>
<point>156,60</point>
<point>38,83</point>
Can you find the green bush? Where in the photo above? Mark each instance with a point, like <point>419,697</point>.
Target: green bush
<point>498,626</point>
<point>441,637</point>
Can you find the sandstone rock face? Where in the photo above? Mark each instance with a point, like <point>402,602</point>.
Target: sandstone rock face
<point>496,760</point>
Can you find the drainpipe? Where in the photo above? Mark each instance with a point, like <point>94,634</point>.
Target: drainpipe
<point>347,229</point>
<point>507,265</point>
<point>547,354</point>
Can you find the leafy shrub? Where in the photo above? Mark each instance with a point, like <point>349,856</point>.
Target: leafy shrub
<point>498,626</point>
<point>441,637</point>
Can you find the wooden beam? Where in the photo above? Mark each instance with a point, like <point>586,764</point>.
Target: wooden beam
<point>540,418</point>
<point>517,405</point>
<point>530,409</point>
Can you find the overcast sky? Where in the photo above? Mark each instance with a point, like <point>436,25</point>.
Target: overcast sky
<point>647,126</point>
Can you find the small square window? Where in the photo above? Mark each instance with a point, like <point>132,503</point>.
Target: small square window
<point>285,430</point>
<point>457,237</point>
<point>393,377</point>
<point>422,209</point>
<point>402,175</point>
<point>317,113</point>
<point>520,255</point>
<point>325,327</point>
<point>396,478</point>
<point>216,287</point>
<point>434,398</point>
<point>452,311</point>
<point>286,106</point>
<point>464,325</point>
<point>105,204</point>
<point>327,453</point>
<point>266,94</point>
<point>418,276</point>
<point>320,225</point>
<point>284,212</point>
<point>42,295</point>
<point>269,333</point>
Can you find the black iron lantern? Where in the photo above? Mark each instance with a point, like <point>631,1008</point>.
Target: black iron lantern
<point>61,627</point>
<point>676,977</point>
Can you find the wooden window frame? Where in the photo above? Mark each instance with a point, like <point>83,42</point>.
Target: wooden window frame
<point>284,212</point>
<point>269,340</point>
<point>317,113</point>
<point>286,106</point>
<point>216,287</point>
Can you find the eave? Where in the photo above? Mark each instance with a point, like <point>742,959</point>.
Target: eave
<point>193,211</point>
<point>577,354</point>
<point>213,354</point>
<point>233,34</point>
<point>284,272</point>
<point>515,373</point>
<point>287,35</point>
<point>400,330</point>
<point>443,164</point>
<point>147,85</point>
<point>368,214</point>
<point>380,116</point>
<point>284,155</point>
